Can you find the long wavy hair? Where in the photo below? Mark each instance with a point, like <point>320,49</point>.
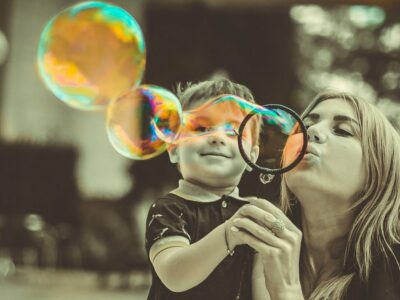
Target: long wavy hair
<point>376,226</point>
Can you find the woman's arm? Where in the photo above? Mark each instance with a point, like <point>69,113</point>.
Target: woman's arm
<point>182,268</point>
<point>279,252</point>
<point>259,289</point>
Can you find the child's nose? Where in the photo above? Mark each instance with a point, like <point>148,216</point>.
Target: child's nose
<point>216,139</point>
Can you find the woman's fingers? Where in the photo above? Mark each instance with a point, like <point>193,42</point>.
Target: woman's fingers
<point>264,218</point>
<point>261,216</point>
<point>270,208</point>
<point>260,232</point>
<point>256,244</point>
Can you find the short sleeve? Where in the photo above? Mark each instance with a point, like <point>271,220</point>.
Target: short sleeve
<point>168,225</point>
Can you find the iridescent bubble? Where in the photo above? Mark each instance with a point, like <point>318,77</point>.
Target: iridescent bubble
<point>226,112</point>
<point>91,53</point>
<point>276,141</point>
<point>141,121</point>
<point>270,127</point>
<point>293,146</point>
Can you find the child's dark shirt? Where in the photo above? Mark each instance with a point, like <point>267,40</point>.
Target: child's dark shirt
<point>183,217</point>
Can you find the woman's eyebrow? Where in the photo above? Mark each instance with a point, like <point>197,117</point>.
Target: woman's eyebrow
<point>345,118</point>
<point>315,117</point>
<point>312,116</point>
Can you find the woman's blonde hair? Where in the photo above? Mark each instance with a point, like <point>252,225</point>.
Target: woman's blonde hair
<point>375,229</point>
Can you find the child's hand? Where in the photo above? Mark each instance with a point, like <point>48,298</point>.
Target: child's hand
<point>250,214</point>
<point>233,237</point>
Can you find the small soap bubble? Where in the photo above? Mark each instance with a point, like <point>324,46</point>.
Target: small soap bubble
<point>142,121</point>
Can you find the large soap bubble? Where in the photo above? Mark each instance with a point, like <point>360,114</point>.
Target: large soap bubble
<point>142,121</point>
<point>276,129</point>
<point>91,53</point>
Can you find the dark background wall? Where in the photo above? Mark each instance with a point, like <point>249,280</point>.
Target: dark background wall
<point>190,43</point>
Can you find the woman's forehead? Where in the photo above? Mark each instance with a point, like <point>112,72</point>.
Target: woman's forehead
<point>334,107</point>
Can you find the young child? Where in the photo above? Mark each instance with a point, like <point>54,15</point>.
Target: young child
<point>186,235</point>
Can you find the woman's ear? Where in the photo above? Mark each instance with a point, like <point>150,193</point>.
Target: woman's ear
<point>255,151</point>
<point>173,154</point>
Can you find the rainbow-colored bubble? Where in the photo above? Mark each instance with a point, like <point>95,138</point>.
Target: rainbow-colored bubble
<point>142,121</point>
<point>91,53</point>
<point>226,112</point>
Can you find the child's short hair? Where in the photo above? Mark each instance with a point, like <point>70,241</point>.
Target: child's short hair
<point>194,94</point>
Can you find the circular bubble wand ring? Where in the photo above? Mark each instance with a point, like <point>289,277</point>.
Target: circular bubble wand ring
<point>265,170</point>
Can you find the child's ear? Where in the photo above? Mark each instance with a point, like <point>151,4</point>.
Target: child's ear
<point>173,153</point>
<point>255,151</point>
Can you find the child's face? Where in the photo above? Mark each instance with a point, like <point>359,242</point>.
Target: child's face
<point>208,153</point>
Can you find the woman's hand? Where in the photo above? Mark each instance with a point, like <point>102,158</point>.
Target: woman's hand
<point>279,247</point>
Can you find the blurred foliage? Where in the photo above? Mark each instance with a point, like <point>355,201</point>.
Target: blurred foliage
<point>352,48</point>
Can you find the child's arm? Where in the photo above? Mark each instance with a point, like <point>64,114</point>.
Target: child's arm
<point>182,268</point>
<point>259,289</point>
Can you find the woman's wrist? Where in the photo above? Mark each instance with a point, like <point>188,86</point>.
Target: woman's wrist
<point>290,293</point>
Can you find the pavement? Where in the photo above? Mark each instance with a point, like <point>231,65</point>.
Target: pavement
<point>39,284</point>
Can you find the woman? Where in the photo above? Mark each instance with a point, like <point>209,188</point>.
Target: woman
<point>341,237</point>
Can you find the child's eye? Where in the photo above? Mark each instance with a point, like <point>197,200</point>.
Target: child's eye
<point>201,129</point>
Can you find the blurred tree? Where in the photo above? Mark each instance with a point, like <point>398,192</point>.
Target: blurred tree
<point>353,48</point>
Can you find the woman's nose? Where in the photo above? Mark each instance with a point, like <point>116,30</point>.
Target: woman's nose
<point>315,135</point>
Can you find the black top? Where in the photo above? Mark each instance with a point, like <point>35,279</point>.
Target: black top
<point>172,215</point>
<point>383,283</point>
<point>384,279</point>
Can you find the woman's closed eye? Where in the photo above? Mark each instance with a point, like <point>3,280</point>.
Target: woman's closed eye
<point>342,132</point>
<point>336,130</point>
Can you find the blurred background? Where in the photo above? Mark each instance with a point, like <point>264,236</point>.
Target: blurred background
<point>72,210</point>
